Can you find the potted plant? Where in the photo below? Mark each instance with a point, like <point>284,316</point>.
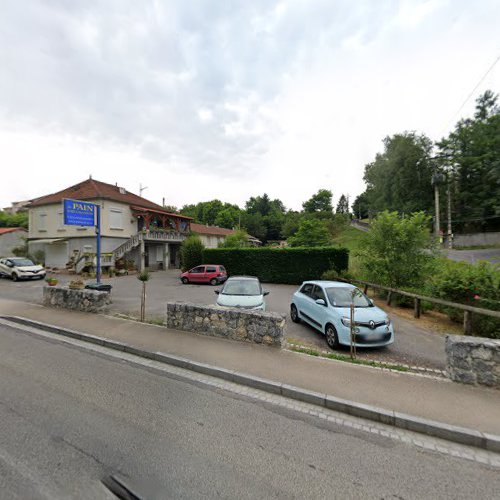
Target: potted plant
<point>52,281</point>
<point>76,284</point>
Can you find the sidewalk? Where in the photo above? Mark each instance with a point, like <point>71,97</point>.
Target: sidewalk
<point>440,400</point>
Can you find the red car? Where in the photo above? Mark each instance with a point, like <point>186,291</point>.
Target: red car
<point>208,273</point>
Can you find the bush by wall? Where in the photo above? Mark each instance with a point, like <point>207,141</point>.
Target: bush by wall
<point>477,285</point>
<point>191,252</point>
<point>275,265</point>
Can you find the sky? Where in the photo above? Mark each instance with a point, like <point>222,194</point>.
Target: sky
<point>197,100</point>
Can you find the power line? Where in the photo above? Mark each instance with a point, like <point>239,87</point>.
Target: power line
<point>473,90</point>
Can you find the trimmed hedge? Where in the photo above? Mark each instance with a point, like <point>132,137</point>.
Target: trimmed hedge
<point>279,265</point>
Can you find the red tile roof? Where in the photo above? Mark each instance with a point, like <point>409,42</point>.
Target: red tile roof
<point>92,189</point>
<point>5,230</point>
<point>211,230</point>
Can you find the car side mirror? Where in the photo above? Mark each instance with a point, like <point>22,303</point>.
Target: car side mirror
<point>266,293</point>
<point>217,292</point>
<point>320,302</point>
<point>371,303</point>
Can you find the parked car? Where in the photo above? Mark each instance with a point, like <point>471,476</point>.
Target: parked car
<point>19,268</point>
<point>325,305</point>
<point>214,274</point>
<point>242,292</point>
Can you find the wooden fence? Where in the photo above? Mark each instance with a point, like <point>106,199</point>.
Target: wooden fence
<point>468,310</point>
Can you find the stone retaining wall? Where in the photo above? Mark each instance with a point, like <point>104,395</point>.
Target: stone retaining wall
<point>473,360</point>
<point>78,300</point>
<point>248,326</point>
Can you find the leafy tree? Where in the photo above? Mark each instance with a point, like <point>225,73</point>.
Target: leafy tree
<point>237,240</point>
<point>400,178</point>
<point>254,225</point>
<point>397,250</point>
<point>291,223</point>
<point>343,205</point>
<point>471,161</point>
<point>229,217</point>
<point>20,219</point>
<point>360,206</point>
<point>191,252</point>
<point>259,205</point>
<point>319,203</point>
<point>171,209</point>
<point>311,233</point>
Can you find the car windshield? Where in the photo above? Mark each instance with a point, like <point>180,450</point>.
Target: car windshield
<point>242,287</point>
<point>22,262</point>
<point>342,297</point>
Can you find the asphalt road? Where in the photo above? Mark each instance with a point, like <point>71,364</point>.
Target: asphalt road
<point>69,417</point>
<point>489,254</point>
<point>414,344</point>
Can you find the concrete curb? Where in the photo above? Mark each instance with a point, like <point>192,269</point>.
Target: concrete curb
<point>432,428</point>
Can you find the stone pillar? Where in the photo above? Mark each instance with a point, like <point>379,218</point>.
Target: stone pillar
<point>142,251</point>
<point>166,256</point>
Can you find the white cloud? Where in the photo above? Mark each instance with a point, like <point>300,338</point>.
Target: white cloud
<point>247,97</point>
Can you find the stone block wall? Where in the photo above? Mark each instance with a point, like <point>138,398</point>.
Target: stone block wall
<point>78,300</point>
<point>473,360</point>
<point>248,326</point>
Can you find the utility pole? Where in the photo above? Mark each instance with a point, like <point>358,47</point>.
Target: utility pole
<point>450,234</point>
<point>141,189</point>
<point>437,228</point>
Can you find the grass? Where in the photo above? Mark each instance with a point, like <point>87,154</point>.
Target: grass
<point>350,238</point>
<point>348,359</point>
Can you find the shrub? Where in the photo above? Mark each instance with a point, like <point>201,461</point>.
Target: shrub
<point>397,250</point>
<point>334,275</point>
<point>191,252</point>
<point>477,285</point>
<point>237,240</point>
<point>275,265</point>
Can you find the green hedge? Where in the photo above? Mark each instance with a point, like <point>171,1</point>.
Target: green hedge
<point>276,265</point>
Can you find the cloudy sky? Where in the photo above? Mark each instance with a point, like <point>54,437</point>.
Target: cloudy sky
<point>229,99</point>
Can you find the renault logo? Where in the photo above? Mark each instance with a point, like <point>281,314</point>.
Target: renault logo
<point>372,325</point>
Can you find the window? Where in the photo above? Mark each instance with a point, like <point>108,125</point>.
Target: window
<point>307,289</point>
<point>318,294</point>
<point>198,270</point>
<point>115,218</point>
<point>342,297</point>
<point>211,269</point>
<point>42,222</point>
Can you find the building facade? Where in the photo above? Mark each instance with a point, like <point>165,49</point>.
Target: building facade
<point>10,238</point>
<point>133,229</point>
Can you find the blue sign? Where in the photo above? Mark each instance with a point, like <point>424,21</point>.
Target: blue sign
<point>79,213</point>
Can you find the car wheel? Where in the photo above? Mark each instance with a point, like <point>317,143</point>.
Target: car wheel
<point>214,281</point>
<point>185,280</point>
<point>14,277</point>
<point>331,336</point>
<point>294,314</point>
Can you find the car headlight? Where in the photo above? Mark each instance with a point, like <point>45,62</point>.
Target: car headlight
<point>346,321</point>
<point>387,321</point>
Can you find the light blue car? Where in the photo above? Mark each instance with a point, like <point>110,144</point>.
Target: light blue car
<point>325,305</point>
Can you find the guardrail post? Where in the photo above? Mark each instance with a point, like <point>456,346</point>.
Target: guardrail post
<point>467,323</point>
<point>417,309</point>
<point>389,298</point>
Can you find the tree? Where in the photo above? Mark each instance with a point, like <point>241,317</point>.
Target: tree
<point>319,203</point>
<point>311,233</point>
<point>471,162</point>
<point>144,278</point>
<point>254,225</point>
<point>360,206</point>
<point>237,240</point>
<point>191,252</point>
<point>291,223</point>
<point>343,205</point>
<point>229,217</point>
<point>19,219</point>
<point>397,251</point>
<point>400,178</point>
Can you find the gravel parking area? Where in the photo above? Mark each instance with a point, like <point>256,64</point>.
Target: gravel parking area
<point>414,345</point>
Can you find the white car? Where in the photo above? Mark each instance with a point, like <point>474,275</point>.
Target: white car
<point>242,292</point>
<point>19,268</point>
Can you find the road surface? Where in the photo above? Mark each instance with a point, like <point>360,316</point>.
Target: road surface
<point>69,417</point>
